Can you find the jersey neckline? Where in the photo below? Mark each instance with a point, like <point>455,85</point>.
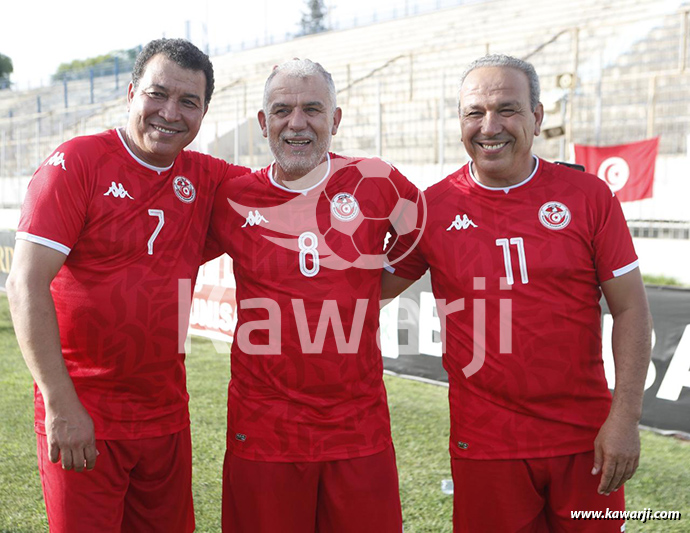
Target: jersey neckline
<point>273,182</point>
<point>143,163</point>
<point>506,190</point>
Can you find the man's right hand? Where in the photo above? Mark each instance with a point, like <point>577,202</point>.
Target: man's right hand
<point>68,426</point>
<point>71,437</point>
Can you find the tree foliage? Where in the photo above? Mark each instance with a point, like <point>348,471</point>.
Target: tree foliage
<point>6,68</point>
<point>314,20</point>
<point>79,68</point>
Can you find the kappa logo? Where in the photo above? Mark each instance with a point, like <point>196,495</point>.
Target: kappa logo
<point>461,223</point>
<point>254,218</point>
<point>57,160</point>
<point>118,191</point>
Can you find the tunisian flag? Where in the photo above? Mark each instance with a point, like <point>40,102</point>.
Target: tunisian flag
<point>627,168</point>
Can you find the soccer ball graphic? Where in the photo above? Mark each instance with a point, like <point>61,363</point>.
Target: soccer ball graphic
<point>354,220</point>
<point>345,220</point>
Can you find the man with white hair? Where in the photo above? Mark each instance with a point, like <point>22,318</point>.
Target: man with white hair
<point>308,444</point>
<point>520,251</point>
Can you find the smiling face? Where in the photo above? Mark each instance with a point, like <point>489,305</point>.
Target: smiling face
<point>165,111</point>
<point>299,122</point>
<point>498,125</point>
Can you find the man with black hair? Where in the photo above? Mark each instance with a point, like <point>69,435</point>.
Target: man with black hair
<point>110,225</point>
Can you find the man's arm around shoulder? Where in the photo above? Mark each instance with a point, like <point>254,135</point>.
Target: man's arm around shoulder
<point>69,427</point>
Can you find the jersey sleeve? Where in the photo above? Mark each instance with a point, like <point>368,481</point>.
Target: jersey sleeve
<point>404,258</point>
<point>55,208</point>
<point>234,171</point>
<point>212,246</point>
<point>614,253</point>
<point>223,216</point>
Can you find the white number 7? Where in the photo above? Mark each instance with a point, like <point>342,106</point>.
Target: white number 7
<point>161,220</point>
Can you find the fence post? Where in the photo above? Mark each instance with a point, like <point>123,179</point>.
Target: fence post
<point>442,125</point>
<point>117,73</point>
<point>651,102</point>
<point>683,56</point>
<point>18,152</point>
<point>379,121</point>
<point>573,85</point>
<point>599,107</point>
<point>3,140</point>
<point>38,142</point>
<point>236,140</point>
<point>411,78</point>
<point>64,84</point>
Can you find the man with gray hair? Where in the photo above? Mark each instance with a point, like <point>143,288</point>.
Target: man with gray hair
<point>527,247</point>
<point>309,444</point>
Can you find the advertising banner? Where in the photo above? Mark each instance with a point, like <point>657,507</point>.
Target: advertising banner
<point>410,332</point>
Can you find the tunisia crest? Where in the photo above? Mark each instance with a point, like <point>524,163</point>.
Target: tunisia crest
<point>184,189</point>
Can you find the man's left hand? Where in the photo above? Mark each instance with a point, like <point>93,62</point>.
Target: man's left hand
<point>616,453</point>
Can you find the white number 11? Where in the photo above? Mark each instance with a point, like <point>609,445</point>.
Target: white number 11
<point>505,244</point>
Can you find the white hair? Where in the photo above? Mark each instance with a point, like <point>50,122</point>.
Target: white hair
<point>301,68</point>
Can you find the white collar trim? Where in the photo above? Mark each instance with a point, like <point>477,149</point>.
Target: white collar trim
<point>143,163</point>
<point>506,189</point>
<point>300,191</point>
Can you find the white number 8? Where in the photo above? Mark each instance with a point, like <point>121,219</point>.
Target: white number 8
<point>308,248</point>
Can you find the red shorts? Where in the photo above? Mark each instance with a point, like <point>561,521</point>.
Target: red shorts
<point>531,496</point>
<point>349,496</point>
<point>137,485</point>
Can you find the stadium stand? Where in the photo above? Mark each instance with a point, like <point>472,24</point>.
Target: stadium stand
<point>612,72</point>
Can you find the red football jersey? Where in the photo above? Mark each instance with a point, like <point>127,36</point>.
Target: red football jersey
<point>130,231</point>
<point>306,366</point>
<point>519,270</point>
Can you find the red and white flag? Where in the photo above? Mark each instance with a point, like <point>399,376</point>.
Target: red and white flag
<point>627,168</point>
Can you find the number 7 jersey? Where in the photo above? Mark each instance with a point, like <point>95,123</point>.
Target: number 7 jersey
<point>306,367</point>
<point>131,232</point>
<point>518,270</point>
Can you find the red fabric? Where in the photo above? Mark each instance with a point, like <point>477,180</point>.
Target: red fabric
<point>302,388</point>
<point>531,496</point>
<point>349,496</point>
<point>556,236</point>
<point>137,485</point>
<point>628,169</point>
<point>131,232</point>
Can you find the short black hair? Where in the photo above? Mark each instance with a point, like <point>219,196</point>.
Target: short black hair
<point>181,52</point>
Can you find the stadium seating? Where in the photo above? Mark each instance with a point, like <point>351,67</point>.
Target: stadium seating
<point>397,82</point>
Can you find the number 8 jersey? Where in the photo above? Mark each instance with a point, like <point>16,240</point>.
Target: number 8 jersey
<point>130,232</point>
<point>306,367</point>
